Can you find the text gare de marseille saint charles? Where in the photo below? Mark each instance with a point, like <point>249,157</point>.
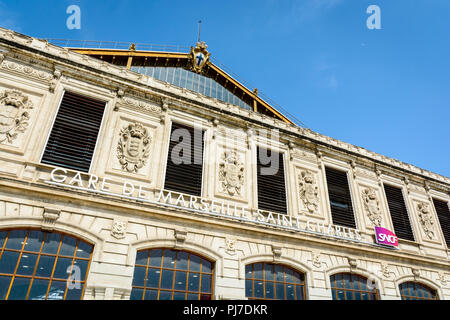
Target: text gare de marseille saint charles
<point>93,183</point>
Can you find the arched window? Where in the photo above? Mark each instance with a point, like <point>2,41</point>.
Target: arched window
<point>349,286</point>
<point>37,265</point>
<point>167,274</point>
<point>273,281</point>
<point>417,291</point>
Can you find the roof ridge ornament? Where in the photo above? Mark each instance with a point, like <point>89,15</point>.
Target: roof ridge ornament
<point>199,56</point>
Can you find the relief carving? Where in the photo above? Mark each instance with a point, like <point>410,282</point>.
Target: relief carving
<point>426,220</point>
<point>14,114</point>
<point>231,173</point>
<point>309,192</point>
<point>118,230</point>
<point>133,147</point>
<point>372,206</point>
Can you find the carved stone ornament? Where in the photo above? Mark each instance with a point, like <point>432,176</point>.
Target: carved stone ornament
<point>14,114</point>
<point>372,206</point>
<point>309,192</point>
<point>199,56</point>
<point>231,173</point>
<point>133,147</point>
<point>426,220</point>
<point>118,229</point>
<point>230,246</point>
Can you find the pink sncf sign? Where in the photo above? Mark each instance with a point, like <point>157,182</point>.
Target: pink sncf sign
<point>386,237</point>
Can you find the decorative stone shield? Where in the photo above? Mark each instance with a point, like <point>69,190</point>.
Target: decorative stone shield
<point>199,56</point>
<point>133,147</point>
<point>372,206</point>
<point>231,173</point>
<point>426,219</point>
<point>309,192</point>
<point>14,115</point>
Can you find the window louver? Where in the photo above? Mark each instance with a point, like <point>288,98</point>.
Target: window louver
<point>185,177</point>
<point>340,198</point>
<point>399,214</point>
<point>271,188</point>
<point>443,213</point>
<point>74,134</point>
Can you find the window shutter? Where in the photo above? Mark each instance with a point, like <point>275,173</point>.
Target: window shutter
<point>74,134</point>
<point>185,177</point>
<point>271,188</point>
<point>399,214</point>
<point>444,218</point>
<point>340,198</point>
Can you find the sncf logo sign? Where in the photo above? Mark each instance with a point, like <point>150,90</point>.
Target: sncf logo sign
<point>386,237</point>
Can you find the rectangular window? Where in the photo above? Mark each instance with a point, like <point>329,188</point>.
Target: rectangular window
<point>340,198</point>
<point>443,213</point>
<point>399,213</point>
<point>74,134</point>
<point>185,160</point>
<point>271,183</point>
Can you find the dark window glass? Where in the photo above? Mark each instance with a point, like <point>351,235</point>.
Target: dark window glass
<point>172,275</point>
<point>443,213</point>
<point>273,281</point>
<point>417,291</point>
<point>32,262</point>
<point>349,286</point>
<point>399,213</point>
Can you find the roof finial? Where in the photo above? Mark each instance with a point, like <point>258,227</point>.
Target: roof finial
<point>199,28</point>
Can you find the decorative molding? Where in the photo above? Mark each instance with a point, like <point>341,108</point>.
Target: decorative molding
<point>133,147</point>
<point>50,215</point>
<point>230,245</point>
<point>372,206</point>
<point>442,279</point>
<point>276,251</point>
<point>119,228</point>
<point>180,237</point>
<point>309,191</point>
<point>353,263</point>
<point>316,259</point>
<point>14,114</point>
<point>426,220</point>
<point>27,71</point>
<point>140,106</point>
<point>231,173</point>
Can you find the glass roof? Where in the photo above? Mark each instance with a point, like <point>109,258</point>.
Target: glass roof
<point>193,81</point>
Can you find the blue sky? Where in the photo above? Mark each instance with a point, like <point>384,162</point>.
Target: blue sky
<point>385,90</point>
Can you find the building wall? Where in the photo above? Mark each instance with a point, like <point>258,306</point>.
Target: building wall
<point>42,72</point>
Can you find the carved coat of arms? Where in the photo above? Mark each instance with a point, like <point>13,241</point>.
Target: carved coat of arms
<point>199,56</point>
<point>133,147</point>
<point>118,230</point>
<point>309,192</point>
<point>231,173</point>
<point>426,220</point>
<point>14,114</point>
<point>372,206</point>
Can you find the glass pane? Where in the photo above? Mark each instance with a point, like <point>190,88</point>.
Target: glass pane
<point>165,295</point>
<point>289,275</point>
<point>269,290</point>
<point>180,280</point>
<point>3,235</point>
<point>279,273</point>
<point>333,293</point>
<point>151,295</point>
<point>358,296</point>
<point>356,282</point>
<point>38,289</point>
<point>34,241</point>
<point>363,284</point>
<point>84,250</point>
<point>19,289</point>
<point>339,281</point>
<point>74,293</point>
<point>63,268</point>
<point>299,291</point>
<point>248,288</point>
<point>259,289</point>
<point>16,239</point>
<point>155,258</point>
<point>340,295</point>
<point>248,271</point>
<point>268,272</point>
<point>136,294</point>
<point>4,286</point>
<point>169,259</point>
<point>206,266</point>
<point>347,282</point>
<point>167,279</point>
<point>68,246</point>
<point>139,276</point>
<point>290,292</point>
<point>51,243</point>
<point>365,296</point>
<point>142,257</point>
<point>45,266</point>
<point>182,260</point>
<point>194,263</point>
<point>8,262</point>
<point>192,296</point>
<point>83,265</point>
<point>27,264</point>
<point>298,278</point>
<point>258,271</point>
<point>57,289</point>
<point>279,291</point>
<point>153,278</point>
<point>206,283</point>
<point>194,281</point>
<point>179,296</point>
<point>349,295</point>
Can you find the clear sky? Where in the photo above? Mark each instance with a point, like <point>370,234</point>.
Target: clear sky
<point>387,90</point>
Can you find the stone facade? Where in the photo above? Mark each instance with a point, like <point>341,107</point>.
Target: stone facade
<point>36,74</point>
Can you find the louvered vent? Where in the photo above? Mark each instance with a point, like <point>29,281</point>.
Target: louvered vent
<point>74,134</point>
<point>185,177</point>
<point>399,213</point>
<point>272,187</point>
<point>340,198</point>
<point>444,218</point>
